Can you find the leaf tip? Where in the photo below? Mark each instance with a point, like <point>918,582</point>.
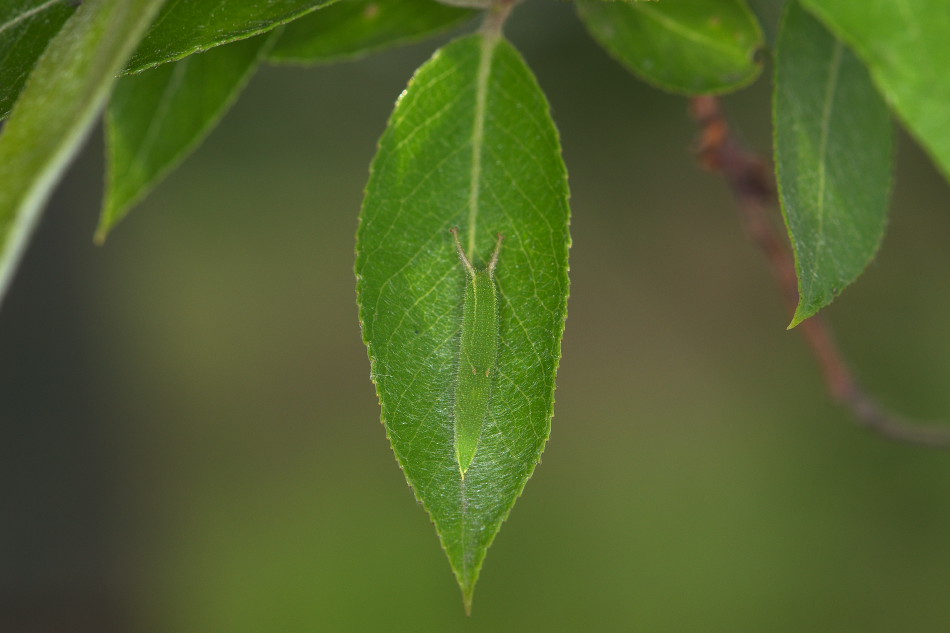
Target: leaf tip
<point>109,216</point>
<point>801,313</point>
<point>99,238</point>
<point>465,456</point>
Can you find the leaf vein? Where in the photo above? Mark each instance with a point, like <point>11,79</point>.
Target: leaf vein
<point>26,15</point>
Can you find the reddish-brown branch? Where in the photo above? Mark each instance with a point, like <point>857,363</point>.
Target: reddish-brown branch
<point>751,182</point>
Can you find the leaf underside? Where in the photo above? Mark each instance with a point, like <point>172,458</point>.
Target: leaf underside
<point>352,28</point>
<point>26,27</point>
<point>833,156</point>
<point>697,47</point>
<point>58,106</point>
<point>907,49</point>
<point>157,117</point>
<point>469,145</point>
<point>189,26</point>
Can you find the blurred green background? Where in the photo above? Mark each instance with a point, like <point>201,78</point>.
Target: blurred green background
<point>189,440</point>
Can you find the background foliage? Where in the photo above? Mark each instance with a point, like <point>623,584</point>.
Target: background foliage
<point>697,477</point>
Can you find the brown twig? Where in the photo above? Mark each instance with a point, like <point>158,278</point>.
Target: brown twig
<point>752,184</point>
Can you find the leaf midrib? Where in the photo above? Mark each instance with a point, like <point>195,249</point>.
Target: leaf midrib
<point>161,112</point>
<point>489,43</point>
<point>827,107</point>
<point>26,15</point>
<point>689,34</point>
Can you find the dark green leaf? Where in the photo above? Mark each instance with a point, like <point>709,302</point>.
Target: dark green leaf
<point>353,28</point>
<point>189,26</point>
<point>157,117</point>
<point>906,45</point>
<point>470,145</point>
<point>833,151</point>
<point>697,47</point>
<point>26,27</point>
<point>58,106</point>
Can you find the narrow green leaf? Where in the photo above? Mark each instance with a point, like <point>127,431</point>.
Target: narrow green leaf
<point>833,147</point>
<point>190,26</point>
<point>58,106</point>
<point>26,27</point>
<point>158,117</point>
<point>353,28</point>
<point>697,47</point>
<point>470,145</point>
<point>906,45</point>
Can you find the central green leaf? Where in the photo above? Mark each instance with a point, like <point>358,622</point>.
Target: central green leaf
<point>470,145</point>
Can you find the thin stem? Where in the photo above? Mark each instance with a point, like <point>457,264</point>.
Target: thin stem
<point>496,16</point>
<point>751,183</point>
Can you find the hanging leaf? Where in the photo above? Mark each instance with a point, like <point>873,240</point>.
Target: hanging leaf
<point>833,152</point>
<point>353,28</point>
<point>59,104</point>
<point>191,26</point>
<point>470,145</point>
<point>697,47</point>
<point>158,117</point>
<point>26,27</point>
<point>905,45</point>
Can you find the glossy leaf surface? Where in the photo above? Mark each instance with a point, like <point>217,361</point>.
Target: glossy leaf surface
<point>696,47</point>
<point>26,27</point>
<point>833,155</point>
<point>58,106</point>
<point>189,26</point>
<point>352,28</point>
<point>470,145</point>
<point>906,45</point>
<point>157,117</point>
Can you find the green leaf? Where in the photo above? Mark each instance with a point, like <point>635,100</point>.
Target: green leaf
<point>158,117</point>
<point>833,147</point>
<point>26,27</point>
<point>58,106</point>
<point>470,145</point>
<point>906,45</point>
<point>190,26</point>
<point>353,28</point>
<point>697,47</point>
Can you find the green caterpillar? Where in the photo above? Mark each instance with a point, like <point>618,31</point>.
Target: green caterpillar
<point>478,353</point>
